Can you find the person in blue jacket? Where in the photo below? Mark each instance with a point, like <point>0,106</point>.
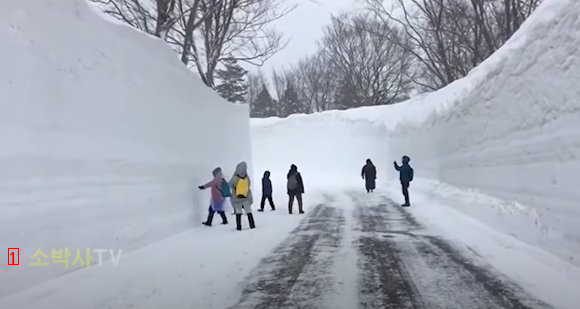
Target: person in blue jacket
<point>266,192</point>
<point>405,176</point>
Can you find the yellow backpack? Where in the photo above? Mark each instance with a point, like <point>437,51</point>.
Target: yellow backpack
<point>242,187</point>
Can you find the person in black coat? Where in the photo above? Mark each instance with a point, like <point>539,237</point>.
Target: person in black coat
<point>295,188</point>
<point>266,192</point>
<point>369,174</point>
<point>405,176</point>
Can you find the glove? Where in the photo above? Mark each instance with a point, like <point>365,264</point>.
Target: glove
<point>201,187</point>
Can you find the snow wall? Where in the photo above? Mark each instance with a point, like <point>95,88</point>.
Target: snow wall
<point>104,136</point>
<point>329,151</point>
<point>510,129</point>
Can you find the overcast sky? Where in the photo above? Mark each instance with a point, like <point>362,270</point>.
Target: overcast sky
<point>303,27</point>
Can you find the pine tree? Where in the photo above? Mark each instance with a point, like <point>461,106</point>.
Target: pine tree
<point>264,105</point>
<point>233,86</point>
<point>289,103</point>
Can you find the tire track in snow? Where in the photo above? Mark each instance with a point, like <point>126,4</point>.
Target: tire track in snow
<point>403,267</point>
<point>298,273</point>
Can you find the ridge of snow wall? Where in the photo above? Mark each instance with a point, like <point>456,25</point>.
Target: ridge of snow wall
<point>105,136</point>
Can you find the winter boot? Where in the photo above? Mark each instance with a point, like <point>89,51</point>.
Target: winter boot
<point>251,221</point>
<point>209,218</point>
<point>239,222</point>
<point>224,218</point>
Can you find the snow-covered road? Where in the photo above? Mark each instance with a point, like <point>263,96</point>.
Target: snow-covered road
<point>374,254</point>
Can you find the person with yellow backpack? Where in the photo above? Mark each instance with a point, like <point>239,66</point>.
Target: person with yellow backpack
<point>241,198</point>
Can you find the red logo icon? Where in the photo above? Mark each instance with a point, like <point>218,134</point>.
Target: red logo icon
<point>13,256</point>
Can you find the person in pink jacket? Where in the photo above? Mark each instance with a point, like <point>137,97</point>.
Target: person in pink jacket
<point>217,197</point>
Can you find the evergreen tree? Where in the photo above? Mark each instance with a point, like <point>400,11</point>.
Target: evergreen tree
<point>264,105</point>
<point>289,103</point>
<point>233,86</point>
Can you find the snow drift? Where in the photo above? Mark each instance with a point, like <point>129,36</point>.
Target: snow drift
<point>104,135</point>
<point>511,129</point>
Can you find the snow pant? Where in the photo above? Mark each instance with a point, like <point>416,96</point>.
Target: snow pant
<point>298,197</point>
<point>370,184</point>
<point>263,202</point>
<point>405,187</point>
<point>211,213</point>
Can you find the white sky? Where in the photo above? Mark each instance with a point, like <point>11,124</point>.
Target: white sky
<point>303,27</point>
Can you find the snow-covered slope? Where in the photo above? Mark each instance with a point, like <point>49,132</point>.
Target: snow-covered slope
<point>509,130</point>
<point>103,136</point>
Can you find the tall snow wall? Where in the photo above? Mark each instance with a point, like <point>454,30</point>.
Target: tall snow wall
<point>104,136</point>
<point>511,128</point>
<point>329,149</point>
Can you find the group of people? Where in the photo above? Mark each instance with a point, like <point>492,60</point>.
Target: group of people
<point>238,189</point>
<point>406,173</point>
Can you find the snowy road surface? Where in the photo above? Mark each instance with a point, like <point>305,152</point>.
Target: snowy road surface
<point>374,255</point>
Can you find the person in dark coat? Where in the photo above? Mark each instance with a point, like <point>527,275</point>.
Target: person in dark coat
<point>295,187</point>
<point>405,176</point>
<point>369,174</point>
<point>266,192</point>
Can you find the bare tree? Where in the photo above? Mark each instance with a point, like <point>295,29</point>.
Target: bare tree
<point>165,17</point>
<point>255,82</point>
<point>236,30</point>
<point>171,20</point>
<point>372,67</point>
<point>139,14</point>
<point>207,32</point>
<point>449,37</point>
<point>316,83</point>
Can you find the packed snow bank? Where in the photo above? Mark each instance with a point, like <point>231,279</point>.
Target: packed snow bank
<point>104,135</point>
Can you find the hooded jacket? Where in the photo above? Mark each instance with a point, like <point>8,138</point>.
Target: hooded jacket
<point>241,171</point>
<point>406,172</point>
<point>294,171</point>
<point>266,184</point>
<point>369,172</point>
